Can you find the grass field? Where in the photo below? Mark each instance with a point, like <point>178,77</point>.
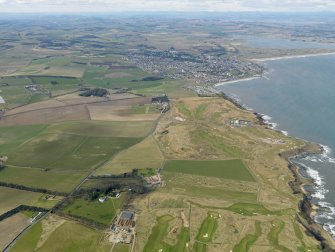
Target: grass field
<point>11,198</point>
<point>102,213</point>
<point>145,154</point>
<point>68,151</point>
<point>103,129</point>
<point>206,232</point>
<point>12,137</point>
<point>68,237</point>
<point>228,169</point>
<point>13,91</point>
<point>37,178</point>
<point>245,244</point>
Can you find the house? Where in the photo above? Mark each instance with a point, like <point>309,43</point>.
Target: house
<point>102,199</point>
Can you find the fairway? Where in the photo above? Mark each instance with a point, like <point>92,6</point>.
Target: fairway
<point>102,213</point>
<point>227,169</point>
<point>37,178</point>
<point>206,232</point>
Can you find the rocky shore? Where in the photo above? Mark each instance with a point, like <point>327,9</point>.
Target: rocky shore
<point>307,209</point>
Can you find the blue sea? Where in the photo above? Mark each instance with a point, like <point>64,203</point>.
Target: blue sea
<point>298,97</point>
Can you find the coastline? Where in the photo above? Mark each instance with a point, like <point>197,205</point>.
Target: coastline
<point>307,210</point>
<point>238,80</point>
<point>292,57</point>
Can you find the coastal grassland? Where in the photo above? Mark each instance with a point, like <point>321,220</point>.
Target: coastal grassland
<point>227,169</point>
<point>11,198</point>
<point>102,213</point>
<point>69,236</point>
<point>39,178</point>
<point>273,235</point>
<point>145,154</point>
<point>13,91</point>
<point>11,227</point>
<point>206,232</point>
<point>14,136</point>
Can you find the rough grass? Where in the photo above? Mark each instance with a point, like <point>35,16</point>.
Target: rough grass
<point>37,178</point>
<point>228,169</point>
<point>102,213</point>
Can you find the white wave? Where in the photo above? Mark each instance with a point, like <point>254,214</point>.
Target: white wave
<point>284,132</point>
<point>266,118</point>
<point>330,228</point>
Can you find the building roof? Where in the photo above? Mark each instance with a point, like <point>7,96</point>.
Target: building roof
<point>126,215</point>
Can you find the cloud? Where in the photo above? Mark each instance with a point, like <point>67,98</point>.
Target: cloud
<point>161,5</point>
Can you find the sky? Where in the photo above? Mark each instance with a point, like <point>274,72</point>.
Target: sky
<point>165,5</point>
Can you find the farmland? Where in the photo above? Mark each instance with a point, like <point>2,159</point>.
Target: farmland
<point>12,198</point>
<point>67,236</point>
<point>102,213</point>
<point>134,157</point>
<point>11,227</point>
<point>39,178</point>
<point>228,169</point>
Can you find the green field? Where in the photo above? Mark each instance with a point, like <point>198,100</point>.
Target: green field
<point>227,169</point>
<point>67,151</point>
<point>247,241</point>
<point>206,232</point>
<point>68,237</point>
<point>102,213</point>
<point>121,248</point>
<point>12,137</point>
<point>37,178</point>
<point>11,198</point>
<point>103,129</point>
<point>13,91</point>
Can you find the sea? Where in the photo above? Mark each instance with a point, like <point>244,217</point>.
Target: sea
<point>297,96</point>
